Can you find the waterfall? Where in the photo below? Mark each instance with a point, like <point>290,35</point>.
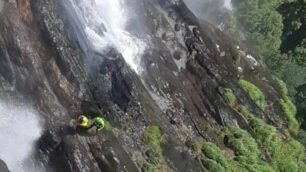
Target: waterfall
<point>228,4</point>
<point>19,129</point>
<point>104,23</point>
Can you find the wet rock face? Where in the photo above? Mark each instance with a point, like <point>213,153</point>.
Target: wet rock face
<point>3,167</point>
<point>43,61</point>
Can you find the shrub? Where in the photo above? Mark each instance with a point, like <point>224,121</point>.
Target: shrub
<point>235,166</point>
<point>302,166</point>
<point>244,111</point>
<point>243,144</point>
<point>248,154</point>
<point>289,110</point>
<point>151,138</point>
<point>282,86</point>
<point>254,92</point>
<point>146,167</point>
<point>301,137</point>
<point>262,167</point>
<point>197,145</point>
<point>216,160</point>
<point>213,166</point>
<point>230,97</point>
<point>283,155</point>
<point>213,152</point>
<point>262,131</point>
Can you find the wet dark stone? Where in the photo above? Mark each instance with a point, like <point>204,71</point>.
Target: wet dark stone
<point>177,55</point>
<point>177,27</point>
<point>3,166</point>
<point>168,35</point>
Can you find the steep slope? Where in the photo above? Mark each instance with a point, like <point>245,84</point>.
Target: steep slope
<point>158,115</point>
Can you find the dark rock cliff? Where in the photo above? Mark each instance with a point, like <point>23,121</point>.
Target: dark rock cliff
<point>188,66</point>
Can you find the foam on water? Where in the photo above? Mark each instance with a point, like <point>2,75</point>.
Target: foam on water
<point>105,26</point>
<point>228,4</point>
<point>19,129</point>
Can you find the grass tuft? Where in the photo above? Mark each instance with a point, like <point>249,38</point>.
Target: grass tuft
<point>254,92</point>
<point>290,111</point>
<point>288,108</point>
<point>230,97</point>
<point>151,138</point>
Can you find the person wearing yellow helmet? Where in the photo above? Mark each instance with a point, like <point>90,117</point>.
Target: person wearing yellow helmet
<point>84,122</point>
<point>87,123</point>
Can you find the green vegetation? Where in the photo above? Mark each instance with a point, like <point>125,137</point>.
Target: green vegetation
<point>288,108</point>
<point>215,160</point>
<point>232,23</point>
<point>282,155</point>
<point>263,140</point>
<point>197,145</point>
<point>230,97</point>
<point>146,167</point>
<point>261,25</point>
<point>282,86</point>
<point>277,31</point>
<point>301,137</point>
<point>276,28</point>
<point>257,96</point>
<point>254,92</point>
<point>246,150</point>
<point>294,76</point>
<point>262,148</point>
<point>153,139</point>
<point>300,100</point>
<point>108,126</point>
<point>243,144</point>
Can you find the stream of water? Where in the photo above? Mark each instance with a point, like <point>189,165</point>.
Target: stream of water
<point>104,23</point>
<point>19,129</point>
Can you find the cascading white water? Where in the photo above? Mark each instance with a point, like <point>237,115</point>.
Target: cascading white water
<point>19,129</point>
<point>228,4</point>
<point>105,24</point>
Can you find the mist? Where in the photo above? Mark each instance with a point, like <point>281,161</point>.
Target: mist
<point>210,10</point>
<point>19,129</point>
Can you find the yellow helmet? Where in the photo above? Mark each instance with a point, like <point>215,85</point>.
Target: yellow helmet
<point>84,121</point>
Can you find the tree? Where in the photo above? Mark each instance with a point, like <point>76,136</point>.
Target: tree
<point>261,23</point>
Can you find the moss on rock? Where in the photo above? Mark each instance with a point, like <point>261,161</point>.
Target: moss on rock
<point>230,97</point>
